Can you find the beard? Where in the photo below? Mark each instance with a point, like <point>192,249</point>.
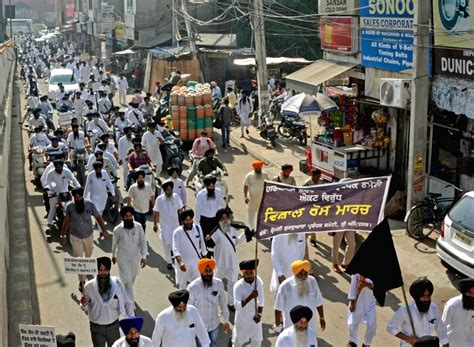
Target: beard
<point>249,280</point>
<point>302,287</point>
<point>128,223</point>
<point>225,227</point>
<point>98,174</point>
<point>133,342</point>
<point>140,184</point>
<point>180,316</point>
<point>207,280</point>
<point>467,302</point>
<point>211,193</point>
<point>187,226</point>
<point>79,205</point>
<point>258,172</point>
<point>104,284</point>
<point>301,338</point>
<point>423,306</point>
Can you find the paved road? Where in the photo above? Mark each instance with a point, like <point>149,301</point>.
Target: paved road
<point>58,294</point>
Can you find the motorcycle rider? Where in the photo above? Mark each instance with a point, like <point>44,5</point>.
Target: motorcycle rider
<point>55,149</point>
<point>79,104</point>
<point>136,158</point>
<point>36,120</point>
<point>200,146</point>
<point>109,147</point>
<point>125,143</point>
<point>105,158</point>
<point>96,129</point>
<point>147,107</point>
<point>210,163</point>
<point>76,140</point>
<point>216,91</point>
<point>38,139</point>
<point>135,116</point>
<point>121,123</point>
<point>46,111</point>
<point>104,105</point>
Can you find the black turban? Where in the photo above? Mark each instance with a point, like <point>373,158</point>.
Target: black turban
<point>208,180</point>
<point>167,184</point>
<point>466,284</point>
<point>68,340</point>
<point>185,214</point>
<point>178,297</point>
<point>104,261</point>
<point>248,264</point>
<point>286,166</point>
<point>221,212</point>
<point>138,173</point>
<point>131,322</point>
<point>418,288</point>
<point>209,151</point>
<point>77,191</point>
<point>98,164</point>
<point>427,341</point>
<point>126,209</point>
<point>172,170</point>
<point>299,312</point>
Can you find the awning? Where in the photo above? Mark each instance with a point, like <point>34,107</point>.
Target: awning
<point>125,52</point>
<point>309,78</point>
<point>272,61</point>
<point>217,40</point>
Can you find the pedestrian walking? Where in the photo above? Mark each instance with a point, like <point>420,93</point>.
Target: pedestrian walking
<point>226,114</point>
<point>248,323</point>
<point>166,212</point>
<point>129,249</point>
<point>314,180</point>
<point>350,240</point>
<point>122,89</point>
<point>105,300</point>
<point>151,142</point>
<point>178,184</point>
<point>125,144</point>
<point>180,324</point>
<point>98,187</point>
<point>208,201</point>
<point>300,333</point>
<point>244,109</point>
<point>78,220</point>
<point>188,248</point>
<point>253,191</point>
<point>285,175</point>
<point>207,294</point>
<point>140,196</point>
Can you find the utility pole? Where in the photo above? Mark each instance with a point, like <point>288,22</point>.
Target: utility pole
<point>417,153</point>
<point>11,19</point>
<point>261,56</point>
<point>2,23</point>
<point>59,13</point>
<point>191,38</point>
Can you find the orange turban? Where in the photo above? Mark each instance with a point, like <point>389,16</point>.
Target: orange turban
<point>299,265</point>
<point>257,164</point>
<point>204,263</point>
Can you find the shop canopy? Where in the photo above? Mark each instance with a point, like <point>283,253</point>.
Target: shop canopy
<point>272,61</point>
<point>309,78</point>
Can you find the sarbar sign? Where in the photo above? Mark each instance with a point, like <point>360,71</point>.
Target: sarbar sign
<point>455,62</point>
<point>338,7</point>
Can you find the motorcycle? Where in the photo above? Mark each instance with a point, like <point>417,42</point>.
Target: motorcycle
<point>79,162</point>
<point>63,201</point>
<point>37,163</point>
<point>151,178</point>
<point>172,153</point>
<point>275,107</point>
<point>220,183</point>
<point>113,204</point>
<point>267,130</point>
<point>291,127</point>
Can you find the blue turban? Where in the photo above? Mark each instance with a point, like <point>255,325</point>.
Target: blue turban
<point>131,322</point>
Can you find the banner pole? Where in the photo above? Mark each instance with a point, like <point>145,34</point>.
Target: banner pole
<point>256,272</point>
<point>410,317</point>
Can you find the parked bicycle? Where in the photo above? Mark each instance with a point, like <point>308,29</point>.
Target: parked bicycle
<point>427,215</point>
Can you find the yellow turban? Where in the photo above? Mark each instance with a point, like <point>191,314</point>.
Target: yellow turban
<point>204,263</point>
<point>257,164</point>
<point>299,265</point>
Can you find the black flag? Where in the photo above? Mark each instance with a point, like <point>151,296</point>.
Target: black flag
<point>377,260</point>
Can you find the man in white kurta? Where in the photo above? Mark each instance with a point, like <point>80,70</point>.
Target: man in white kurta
<point>178,184</point>
<point>166,212</point>
<point>285,250</point>
<point>425,314</point>
<point>122,89</point>
<point>253,191</point>
<point>98,185</point>
<point>247,323</point>
<point>300,334</point>
<point>151,142</point>
<point>125,144</point>
<point>188,248</point>
<point>458,315</point>
<point>129,249</point>
<point>225,240</point>
<point>208,201</point>
<point>131,327</point>
<point>179,324</point>
<point>361,309</point>
<point>299,289</point>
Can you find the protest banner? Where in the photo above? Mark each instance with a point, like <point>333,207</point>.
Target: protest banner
<point>356,205</point>
<point>37,336</point>
<point>96,86</point>
<point>80,266</point>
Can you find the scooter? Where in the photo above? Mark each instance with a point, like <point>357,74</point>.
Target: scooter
<point>291,127</point>
<point>37,163</point>
<point>220,183</point>
<point>63,201</point>
<point>79,162</point>
<point>112,207</point>
<point>267,130</point>
<point>172,153</point>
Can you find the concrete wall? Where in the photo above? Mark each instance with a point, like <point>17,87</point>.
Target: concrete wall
<point>7,61</point>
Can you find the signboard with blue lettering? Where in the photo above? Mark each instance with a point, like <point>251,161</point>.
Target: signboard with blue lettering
<point>387,34</point>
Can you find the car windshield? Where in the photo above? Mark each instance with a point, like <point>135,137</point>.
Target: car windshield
<point>64,79</point>
<point>463,213</point>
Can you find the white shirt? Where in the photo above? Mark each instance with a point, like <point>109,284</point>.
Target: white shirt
<point>129,243</point>
<point>122,85</point>
<point>76,143</point>
<point>122,123</point>
<point>135,116</point>
<point>208,300</point>
<point>106,312</point>
<point>100,126</point>
<point>108,164</point>
<point>168,210</point>
<point>255,183</point>
<point>208,207</point>
<point>244,325</point>
<point>171,332</point>
<point>287,338</point>
<point>143,342</point>
<point>425,324</point>
<point>226,258</point>
<point>365,304</point>
<point>141,197</point>
<point>459,323</point>
<point>287,298</point>
<point>178,188</point>
<point>37,122</point>
<point>183,248</point>
<point>46,171</point>
<point>124,145</point>
<point>151,142</point>
<point>59,183</point>
<point>39,140</point>
<point>285,250</point>
<point>97,189</point>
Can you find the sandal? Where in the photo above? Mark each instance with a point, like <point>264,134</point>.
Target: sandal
<point>313,243</point>
<point>336,268</point>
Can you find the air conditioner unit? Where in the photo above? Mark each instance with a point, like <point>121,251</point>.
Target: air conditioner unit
<point>394,92</point>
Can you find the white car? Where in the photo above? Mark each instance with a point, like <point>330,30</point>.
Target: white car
<point>455,246</point>
<point>64,76</point>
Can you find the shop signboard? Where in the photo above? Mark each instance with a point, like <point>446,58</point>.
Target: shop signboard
<point>120,32</point>
<point>453,39</point>
<point>338,7</point>
<point>339,34</point>
<point>108,18</point>
<point>387,34</point>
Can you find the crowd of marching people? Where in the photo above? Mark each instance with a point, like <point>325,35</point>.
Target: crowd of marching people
<point>199,245</point>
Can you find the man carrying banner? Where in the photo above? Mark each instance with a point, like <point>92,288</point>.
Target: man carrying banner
<point>424,314</point>
<point>253,191</point>
<point>284,175</point>
<point>361,309</point>
<point>300,333</point>
<point>299,289</point>
<point>247,324</point>
<point>286,249</point>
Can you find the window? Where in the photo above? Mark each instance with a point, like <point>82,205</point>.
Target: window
<point>64,79</point>
<point>463,213</point>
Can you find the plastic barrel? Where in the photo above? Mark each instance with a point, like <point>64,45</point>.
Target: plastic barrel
<point>175,112</point>
<point>181,99</point>
<point>208,122</point>
<point>207,110</point>
<point>198,99</point>
<point>183,112</point>
<point>206,98</point>
<point>189,99</point>
<point>200,112</point>
<point>191,134</point>
<point>192,112</point>
<point>200,123</point>
<point>174,98</point>
<point>183,134</point>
